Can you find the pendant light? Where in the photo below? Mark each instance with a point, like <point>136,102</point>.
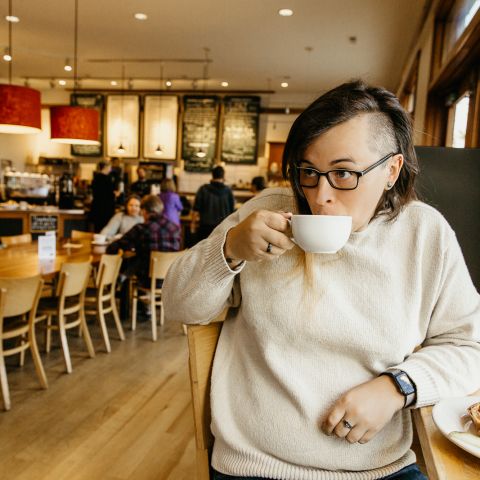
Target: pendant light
<point>201,153</point>
<point>121,149</point>
<point>72,124</point>
<point>20,109</point>
<point>159,149</point>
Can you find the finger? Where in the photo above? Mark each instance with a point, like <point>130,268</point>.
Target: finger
<point>278,239</point>
<point>277,221</point>
<point>341,430</point>
<point>356,433</point>
<point>332,419</point>
<point>367,436</point>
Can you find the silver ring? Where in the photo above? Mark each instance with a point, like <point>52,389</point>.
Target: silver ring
<point>347,424</point>
<point>269,248</point>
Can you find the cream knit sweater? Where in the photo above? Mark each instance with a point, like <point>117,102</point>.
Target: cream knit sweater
<point>307,328</point>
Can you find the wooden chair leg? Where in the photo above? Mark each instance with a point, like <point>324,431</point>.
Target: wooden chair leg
<point>21,362</point>
<point>162,315</point>
<point>116,317</point>
<point>153,312</point>
<point>37,359</point>
<point>134,309</point>
<point>63,340</point>
<point>4,383</point>
<point>184,328</point>
<point>48,334</point>
<point>86,334</point>
<point>103,326</point>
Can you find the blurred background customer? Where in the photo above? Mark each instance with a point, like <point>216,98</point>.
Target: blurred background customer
<point>122,222</point>
<point>171,201</point>
<point>103,203</point>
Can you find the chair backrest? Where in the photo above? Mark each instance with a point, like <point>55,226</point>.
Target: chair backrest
<point>20,295</point>
<point>160,263</point>
<point>73,278</point>
<point>108,270</point>
<point>202,343</point>
<point>79,235</point>
<point>16,239</point>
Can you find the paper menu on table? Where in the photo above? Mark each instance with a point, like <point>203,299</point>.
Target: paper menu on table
<point>47,246</point>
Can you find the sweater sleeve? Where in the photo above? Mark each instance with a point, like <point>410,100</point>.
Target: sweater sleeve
<point>200,284</point>
<point>448,362</point>
<point>113,226</point>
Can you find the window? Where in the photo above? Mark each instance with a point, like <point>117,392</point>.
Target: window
<point>457,122</point>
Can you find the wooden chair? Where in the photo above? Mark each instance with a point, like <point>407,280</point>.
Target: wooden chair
<point>69,300</point>
<point>159,264</point>
<point>103,295</point>
<point>79,235</point>
<point>16,239</point>
<point>19,297</point>
<point>202,343</point>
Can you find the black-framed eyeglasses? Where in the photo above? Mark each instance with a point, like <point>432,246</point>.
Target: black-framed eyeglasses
<point>341,179</point>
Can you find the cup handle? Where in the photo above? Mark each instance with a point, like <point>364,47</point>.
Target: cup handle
<point>291,238</point>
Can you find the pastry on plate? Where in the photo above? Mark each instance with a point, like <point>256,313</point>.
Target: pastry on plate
<point>474,412</point>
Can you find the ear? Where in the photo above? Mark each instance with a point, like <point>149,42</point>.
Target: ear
<point>394,168</point>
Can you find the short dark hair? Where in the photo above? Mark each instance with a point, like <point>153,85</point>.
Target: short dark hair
<point>151,204</point>
<point>133,196</point>
<point>392,132</point>
<point>259,183</point>
<point>218,173</point>
<point>101,165</point>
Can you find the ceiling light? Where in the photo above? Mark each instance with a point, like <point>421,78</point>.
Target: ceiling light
<point>168,83</point>
<point>121,148</point>
<point>159,150</point>
<point>12,18</point>
<point>285,12</point>
<point>114,83</point>
<point>141,16</point>
<point>284,84</point>
<point>62,82</point>
<point>67,67</point>
<point>7,57</point>
<point>224,84</point>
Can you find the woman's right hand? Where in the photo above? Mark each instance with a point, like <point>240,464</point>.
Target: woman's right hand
<point>250,238</point>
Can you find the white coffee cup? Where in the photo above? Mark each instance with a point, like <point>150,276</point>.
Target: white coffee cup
<point>99,238</point>
<point>321,233</point>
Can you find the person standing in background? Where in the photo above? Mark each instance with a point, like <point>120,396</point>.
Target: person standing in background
<point>171,201</point>
<point>116,175</point>
<point>103,203</point>
<point>141,187</point>
<point>258,184</point>
<point>213,203</point>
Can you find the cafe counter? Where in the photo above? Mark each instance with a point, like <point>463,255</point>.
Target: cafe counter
<point>38,220</point>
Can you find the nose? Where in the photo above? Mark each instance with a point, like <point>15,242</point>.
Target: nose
<point>325,193</point>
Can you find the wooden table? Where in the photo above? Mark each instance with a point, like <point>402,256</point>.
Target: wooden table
<point>443,459</point>
<point>23,261</point>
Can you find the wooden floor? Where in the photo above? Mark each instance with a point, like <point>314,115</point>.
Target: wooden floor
<point>124,415</point>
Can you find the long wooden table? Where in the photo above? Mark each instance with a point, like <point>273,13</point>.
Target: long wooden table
<point>443,459</point>
<point>23,261</point>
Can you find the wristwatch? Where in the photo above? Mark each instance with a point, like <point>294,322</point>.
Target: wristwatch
<point>404,385</point>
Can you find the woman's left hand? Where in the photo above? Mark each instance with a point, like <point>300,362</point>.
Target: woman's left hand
<point>366,408</point>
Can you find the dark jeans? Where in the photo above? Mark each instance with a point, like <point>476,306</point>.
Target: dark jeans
<point>411,472</point>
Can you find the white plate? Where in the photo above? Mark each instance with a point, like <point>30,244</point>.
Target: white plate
<point>451,417</point>
<point>98,244</point>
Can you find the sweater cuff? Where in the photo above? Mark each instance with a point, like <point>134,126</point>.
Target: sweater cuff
<point>427,392</point>
<point>217,269</point>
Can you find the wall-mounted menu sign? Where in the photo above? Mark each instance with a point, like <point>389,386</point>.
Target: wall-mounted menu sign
<point>200,118</point>
<point>240,129</point>
<point>43,223</point>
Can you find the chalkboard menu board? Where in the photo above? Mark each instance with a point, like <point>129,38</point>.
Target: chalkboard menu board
<point>240,130</point>
<point>95,101</point>
<point>200,119</point>
<point>43,223</point>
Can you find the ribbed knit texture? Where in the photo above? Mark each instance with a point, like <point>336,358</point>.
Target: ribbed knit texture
<point>310,327</point>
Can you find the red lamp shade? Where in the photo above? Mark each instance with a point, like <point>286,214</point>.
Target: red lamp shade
<point>75,125</point>
<point>19,109</point>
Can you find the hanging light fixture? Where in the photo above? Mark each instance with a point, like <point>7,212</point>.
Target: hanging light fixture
<point>19,106</point>
<point>201,153</point>
<point>73,124</point>
<point>159,149</point>
<point>121,149</point>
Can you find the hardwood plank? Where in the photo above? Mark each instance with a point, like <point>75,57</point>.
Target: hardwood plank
<point>119,416</point>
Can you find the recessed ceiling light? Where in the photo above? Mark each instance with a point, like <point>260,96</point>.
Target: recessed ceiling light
<point>284,84</point>
<point>7,57</point>
<point>12,18</point>
<point>224,84</point>
<point>62,82</point>
<point>114,83</point>
<point>285,12</point>
<point>168,83</point>
<point>141,16</point>
<point>67,67</point>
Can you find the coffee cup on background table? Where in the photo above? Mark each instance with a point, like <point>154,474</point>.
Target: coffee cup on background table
<point>321,233</point>
<point>99,238</point>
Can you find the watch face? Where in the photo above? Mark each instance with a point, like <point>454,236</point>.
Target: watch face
<point>404,384</point>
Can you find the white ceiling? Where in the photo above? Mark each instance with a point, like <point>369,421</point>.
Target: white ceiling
<point>251,46</point>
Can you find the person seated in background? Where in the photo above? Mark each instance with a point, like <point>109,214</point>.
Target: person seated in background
<point>171,200</point>
<point>258,184</point>
<point>214,202</point>
<point>122,222</point>
<point>141,187</point>
<point>157,233</point>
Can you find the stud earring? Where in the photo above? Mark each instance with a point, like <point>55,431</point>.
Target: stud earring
<point>389,185</point>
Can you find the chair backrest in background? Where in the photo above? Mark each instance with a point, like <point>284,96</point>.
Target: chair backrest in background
<point>73,278</point>
<point>79,235</point>
<point>20,295</point>
<point>108,270</point>
<point>16,239</point>
<point>160,262</point>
